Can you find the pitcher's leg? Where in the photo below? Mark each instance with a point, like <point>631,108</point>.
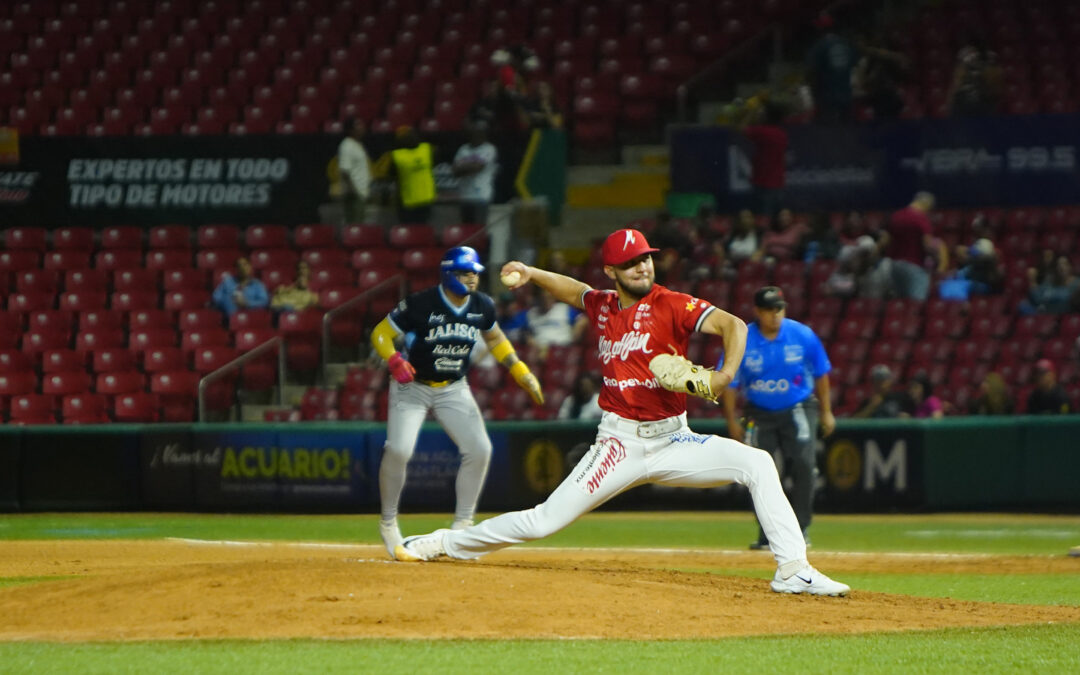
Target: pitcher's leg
<point>405,415</point>
<point>606,470</point>
<point>712,461</point>
<point>460,417</point>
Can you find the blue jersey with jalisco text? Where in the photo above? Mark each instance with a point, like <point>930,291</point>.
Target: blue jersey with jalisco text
<point>443,335</point>
<point>778,373</point>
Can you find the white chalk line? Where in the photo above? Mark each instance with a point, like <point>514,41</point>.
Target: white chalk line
<point>545,550</point>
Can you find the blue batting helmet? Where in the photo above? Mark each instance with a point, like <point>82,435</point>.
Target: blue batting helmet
<point>459,259</point>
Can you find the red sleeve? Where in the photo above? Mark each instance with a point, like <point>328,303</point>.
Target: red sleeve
<point>593,300</point>
<point>687,311</point>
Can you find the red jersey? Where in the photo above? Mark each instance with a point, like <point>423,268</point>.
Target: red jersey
<point>631,337</point>
<point>907,227</point>
<point>770,155</point>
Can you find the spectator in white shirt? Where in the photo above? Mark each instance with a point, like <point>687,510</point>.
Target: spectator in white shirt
<point>475,165</point>
<point>551,322</point>
<point>355,171</point>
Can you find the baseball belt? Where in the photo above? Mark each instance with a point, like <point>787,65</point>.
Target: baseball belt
<point>435,384</point>
<point>650,429</point>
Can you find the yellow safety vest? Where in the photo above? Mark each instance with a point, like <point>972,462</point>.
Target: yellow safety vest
<point>416,182</point>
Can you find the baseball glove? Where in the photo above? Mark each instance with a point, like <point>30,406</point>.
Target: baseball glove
<point>677,373</point>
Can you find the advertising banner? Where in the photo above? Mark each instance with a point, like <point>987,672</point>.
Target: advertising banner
<point>94,470</point>
<point>872,468</point>
<point>993,161</point>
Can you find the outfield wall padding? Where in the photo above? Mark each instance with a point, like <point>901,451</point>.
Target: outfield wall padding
<point>872,465</point>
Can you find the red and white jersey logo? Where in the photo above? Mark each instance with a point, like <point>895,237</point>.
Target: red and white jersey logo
<point>660,322</point>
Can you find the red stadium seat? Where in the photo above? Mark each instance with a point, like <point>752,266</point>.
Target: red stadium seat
<point>86,281</point>
<point>80,302</point>
<point>33,409</point>
<point>37,281</point>
<point>73,238</point>
<point>198,339</point>
<point>325,257</point>
<point>36,342</point>
<point>412,236</point>
<point>266,236</point>
<point>149,338</point>
<point>62,360</point>
<point>314,236</point>
<point>25,238</point>
<point>186,299</point>
<point>56,320</point>
<point>30,302</point>
<point>274,257</point>
<point>128,301</point>
<point>163,359</point>
<point>170,237</point>
<point>111,360</point>
<point>210,358</point>
<point>66,382</point>
<point>120,382</point>
<point>168,259</point>
<point>122,237</point>
<point>17,260</point>
<point>101,319</point>
<point>381,258</point>
<point>218,237</point>
<point>185,278</point>
<point>18,382</point>
<point>84,408</point>
<point>217,258</point>
<point>136,407</point>
<point>14,361</point>
<point>199,319</point>
<point>144,319</point>
<point>177,382</point>
<point>118,259</point>
<point>246,319</point>
<point>363,236</point>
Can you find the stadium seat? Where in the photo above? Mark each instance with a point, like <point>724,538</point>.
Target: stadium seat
<point>101,319</point>
<point>86,281</point>
<point>151,318</point>
<point>412,236</point>
<point>180,300</point>
<point>25,238</point>
<point>33,409</point>
<point>111,360</point>
<point>76,301</point>
<point>136,407</point>
<point>62,360</point>
<point>170,237</point>
<point>185,278</point>
<point>37,281</point>
<point>66,382</point>
<point>209,358</point>
<point>37,342</point>
<point>118,259</point>
<point>199,319</point>
<point>51,319</point>
<point>122,237</point>
<point>142,339</point>
<point>129,301</point>
<point>14,361</point>
<point>193,340</point>
<point>363,236</point>
<point>93,340</point>
<point>168,259</point>
<point>266,236</point>
<point>84,408</point>
<point>314,236</point>
<point>218,237</point>
<point>246,319</point>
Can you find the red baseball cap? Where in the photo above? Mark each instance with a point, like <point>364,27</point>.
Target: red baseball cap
<point>623,245</point>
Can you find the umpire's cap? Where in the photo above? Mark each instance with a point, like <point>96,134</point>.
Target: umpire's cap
<point>769,297</point>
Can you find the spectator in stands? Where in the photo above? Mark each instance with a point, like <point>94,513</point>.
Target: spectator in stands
<point>746,241</point>
<point>540,109</point>
<point>921,392</point>
<point>475,165</point>
<point>1057,294</point>
<point>993,398</point>
<point>295,297</point>
<point>975,90</point>
<point>412,165</point>
<point>878,77</point>
<point>782,240</point>
<point>820,241</point>
<point>550,322</point>
<point>584,402</point>
<point>908,242</point>
<point>240,290</point>
<point>861,271</point>
<point>354,170</point>
<point>884,401</point>
<point>486,108</point>
<point>1044,266</point>
<point>829,64</point>
<point>979,265</point>
<point>511,317</point>
<point>763,127</point>
<point>1048,397</point>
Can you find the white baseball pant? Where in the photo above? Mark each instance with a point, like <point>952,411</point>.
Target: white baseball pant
<point>626,454</point>
<point>456,410</point>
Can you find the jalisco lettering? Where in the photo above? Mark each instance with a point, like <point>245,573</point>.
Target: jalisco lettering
<point>631,342</point>
<point>769,386</point>
<point>453,330</point>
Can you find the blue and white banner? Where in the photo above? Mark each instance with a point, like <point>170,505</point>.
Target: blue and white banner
<point>994,161</point>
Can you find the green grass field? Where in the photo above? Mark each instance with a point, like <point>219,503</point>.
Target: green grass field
<point>1039,649</point>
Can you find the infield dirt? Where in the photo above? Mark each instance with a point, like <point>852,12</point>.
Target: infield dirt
<point>139,590</point>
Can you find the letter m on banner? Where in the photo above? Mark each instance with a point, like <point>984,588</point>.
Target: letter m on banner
<point>739,170</point>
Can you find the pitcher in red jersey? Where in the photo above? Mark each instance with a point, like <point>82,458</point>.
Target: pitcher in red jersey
<point>643,436</point>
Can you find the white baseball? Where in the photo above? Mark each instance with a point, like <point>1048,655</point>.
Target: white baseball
<point>511,279</point>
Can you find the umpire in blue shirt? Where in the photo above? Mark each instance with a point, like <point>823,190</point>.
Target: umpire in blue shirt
<point>784,377</point>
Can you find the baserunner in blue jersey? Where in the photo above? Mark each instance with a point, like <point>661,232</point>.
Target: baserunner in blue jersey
<point>784,378</point>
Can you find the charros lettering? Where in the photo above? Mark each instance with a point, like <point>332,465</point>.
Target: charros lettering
<point>631,342</point>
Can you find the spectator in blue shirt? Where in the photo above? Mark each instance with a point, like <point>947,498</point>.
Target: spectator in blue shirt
<point>784,377</point>
<point>240,291</point>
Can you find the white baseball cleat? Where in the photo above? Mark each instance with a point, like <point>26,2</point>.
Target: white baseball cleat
<point>809,580</point>
<point>391,535</point>
<point>421,547</point>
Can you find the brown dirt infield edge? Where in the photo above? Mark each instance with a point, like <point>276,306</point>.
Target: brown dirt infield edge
<point>166,590</point>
